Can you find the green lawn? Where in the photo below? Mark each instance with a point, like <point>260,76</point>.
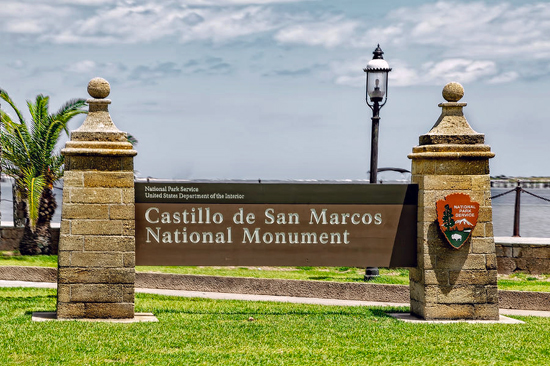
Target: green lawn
<point>518,282</point>
<point>339,274</point>
<point>214,332</point>
<point>28,260</point>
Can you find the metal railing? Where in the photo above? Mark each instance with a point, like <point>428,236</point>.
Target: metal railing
<point>517,205</point>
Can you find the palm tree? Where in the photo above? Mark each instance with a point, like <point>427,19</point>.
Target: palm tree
<point>29,157</point>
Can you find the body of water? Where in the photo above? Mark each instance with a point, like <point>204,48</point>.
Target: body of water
<point>534,213</point>
<point>534,217</point>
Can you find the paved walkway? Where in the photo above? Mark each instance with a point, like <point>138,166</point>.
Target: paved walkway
<point>247,297</point>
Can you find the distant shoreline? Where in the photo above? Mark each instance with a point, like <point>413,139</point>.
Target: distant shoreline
<point>521,179</point>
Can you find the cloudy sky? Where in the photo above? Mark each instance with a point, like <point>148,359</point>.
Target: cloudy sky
<point>274,89</point>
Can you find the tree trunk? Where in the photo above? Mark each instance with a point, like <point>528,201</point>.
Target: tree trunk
<point>19,207</point>
<point>27,245</point>
<point>46,209</point>
<point>43,238</point>
<point>39,241</point>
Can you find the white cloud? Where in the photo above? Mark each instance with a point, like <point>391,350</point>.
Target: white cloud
<point>460,70</point>
<point>18,10</point>
<point>466,29</point>
<point>328,33</point>
<point>350,80</point>
<point>84,66</point>
<point>84,2</point>
<point>505,77</point>
<point>237,2</point>
<point>17,64</point>
<point>143,73</point>
<point>90,69</point>
<point>403,75</point>
<point>472,29</point>
<point>208,65</point>
<point>120,24</point>
<point>490,42</point>
<point>466,41</point>
<point>431,73</point>
<point>151,74</point>
<point>25,27</point>
<point>460,29</point>
<point>103,22</point>
<point>225,25</point>
<point>30,18</point>
<point>349,72</point>
<point>381,35</point>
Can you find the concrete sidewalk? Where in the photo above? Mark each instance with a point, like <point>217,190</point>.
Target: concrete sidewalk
<point>249,297</point>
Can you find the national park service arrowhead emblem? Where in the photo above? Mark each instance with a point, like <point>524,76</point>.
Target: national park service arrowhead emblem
<point>457,216</point>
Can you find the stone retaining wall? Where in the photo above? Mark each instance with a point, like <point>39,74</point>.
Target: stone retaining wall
<point>528,255</point>
<point>259,286</point>
<point>10,237</point>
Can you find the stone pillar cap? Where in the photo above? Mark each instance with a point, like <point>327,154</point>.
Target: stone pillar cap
<point>99,88</point>
<point>452,127</point>
<point>98,135</point>
<point>98,125</point>
<point>453,92</point>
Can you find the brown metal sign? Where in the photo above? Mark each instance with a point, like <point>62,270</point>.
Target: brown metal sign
<point>457,216</point>
<point>283,224</point>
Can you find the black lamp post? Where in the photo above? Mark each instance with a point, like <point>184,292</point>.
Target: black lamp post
<point>377,86</point>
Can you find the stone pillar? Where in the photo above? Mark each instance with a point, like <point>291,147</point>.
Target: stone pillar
<point>97,246</point>
<point>1,126</point>
<point>452,158</point>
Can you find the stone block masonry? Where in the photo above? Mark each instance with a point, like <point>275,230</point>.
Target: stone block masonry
<point>97,247</point>
<point>11,236</point>
<point>527,255</point>
<point>453,283</point>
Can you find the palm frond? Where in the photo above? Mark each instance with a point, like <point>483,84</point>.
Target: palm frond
<point>5,117</point>
<point>33,185</point>
<point>18,138</point>
<point>4,95</point>
<point>131,139</point>
<point>70,109</point>
<point>39,109</point>
<point>52,134</point>
<point>40,119</point>
<point>56,167</point>
<point>29,149</point>
<point>11,171</point>
<point>71,105</point>
<point>34,144</point>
